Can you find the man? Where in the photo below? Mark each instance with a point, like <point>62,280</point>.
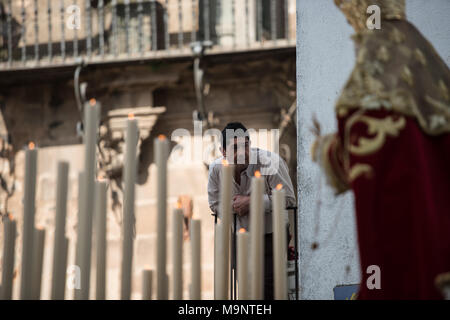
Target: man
<point>236,149</point>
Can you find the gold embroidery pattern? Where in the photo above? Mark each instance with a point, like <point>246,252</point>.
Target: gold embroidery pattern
<point>360,169</point>
<point>398,70</point>
<point>381,128</point>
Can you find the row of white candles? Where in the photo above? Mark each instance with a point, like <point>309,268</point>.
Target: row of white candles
<point>252,241</point>
<point>92,198</point>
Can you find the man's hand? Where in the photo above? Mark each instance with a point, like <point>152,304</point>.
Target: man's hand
<point>241,204</point>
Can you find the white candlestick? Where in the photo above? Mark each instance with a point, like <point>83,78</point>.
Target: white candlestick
<point>242,264</point>
<point>38,259</point>
<point>279,243</point>
<point>81,236</point>
<point>28,221</point>
<point>225,216</point>
<point>59,271</point>
<point>84,236</point>
<point>100,216</point>
<point>80,222</point>
<point>9,245</point>
<point>177,253</point>
<point>64,267</point>
<point>147,284</point>
<point>196,283</point>
<point>129,172</point>
<point>216,260</point>
<point>161,149</point>
<point>257,237</point>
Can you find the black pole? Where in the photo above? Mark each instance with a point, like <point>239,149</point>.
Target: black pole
<point>295,249</point>
<point>296,253</point>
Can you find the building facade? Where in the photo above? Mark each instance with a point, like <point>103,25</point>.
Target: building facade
<point>174,65</point>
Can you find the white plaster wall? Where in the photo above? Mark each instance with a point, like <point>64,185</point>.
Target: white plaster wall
<point>325,57</point>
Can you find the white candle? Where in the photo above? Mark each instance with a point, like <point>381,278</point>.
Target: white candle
<point>84,232</point>
<point>225,216</point>
<point>38,259</point>
<point>28,221</point>
<point>177,253</point>
<point>60,231</point>
<point>100,216</point>
<point>64,267</point>
<point>129,173</point>
<point>9,245</point>
<point>242,264</point>
<point>161,150</point>
<point>257,237</point>
<point>216,260</point>
<point>80,222</point>
<point>147,284</point>
<point>196,260</point>
<point>279,243</point>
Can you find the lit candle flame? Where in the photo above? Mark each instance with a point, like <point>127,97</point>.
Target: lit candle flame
<point>92,102</point>
<point>31,145</point>
<point>257,174</point>
<point>161,137</point>
<point>131,116</point>
<point>10,217</point>
<point>279,186</point>
<point>178,205</point>
<point>242,230</point>
<point>225,162</point>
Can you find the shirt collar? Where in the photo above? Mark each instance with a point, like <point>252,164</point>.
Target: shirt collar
<point>251,168</point>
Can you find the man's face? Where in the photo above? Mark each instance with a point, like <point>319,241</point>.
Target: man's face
<point>238,151</point>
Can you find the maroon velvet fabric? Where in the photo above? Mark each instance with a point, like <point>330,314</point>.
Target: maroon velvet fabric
<point>403,211</point>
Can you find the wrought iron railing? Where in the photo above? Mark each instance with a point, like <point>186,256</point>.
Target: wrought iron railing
<point>48,33</point>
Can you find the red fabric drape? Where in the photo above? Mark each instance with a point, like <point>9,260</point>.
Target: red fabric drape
<point>403,210</point>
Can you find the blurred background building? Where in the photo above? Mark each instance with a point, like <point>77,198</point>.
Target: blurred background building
<point>172,63</point>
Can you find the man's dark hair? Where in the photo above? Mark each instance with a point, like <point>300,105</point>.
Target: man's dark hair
<point>235,130</point>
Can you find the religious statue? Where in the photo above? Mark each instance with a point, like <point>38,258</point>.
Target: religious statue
<point>392,149</point>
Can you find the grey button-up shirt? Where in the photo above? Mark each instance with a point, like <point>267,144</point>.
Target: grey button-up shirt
<point>280,174</point>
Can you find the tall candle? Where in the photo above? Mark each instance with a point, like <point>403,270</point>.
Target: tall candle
<point>242,264</point>
<point>177,253</point>
<point>28,221</point>
<point>60,231</point>
<point>279,243</point>
<point>147,284</point>
<point>225,215</point>
<point>80,230</point>
<point>80,218</point>
<point>84,232</point>
<point>9,245</point>
<point>64,267</point>
<point>257,237</point>
<point>129,172</point>
<point>196,260</point>
<point>38,259</point>
<point>216,260</point>
<point>100,222</point>
<point>161,149</point>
